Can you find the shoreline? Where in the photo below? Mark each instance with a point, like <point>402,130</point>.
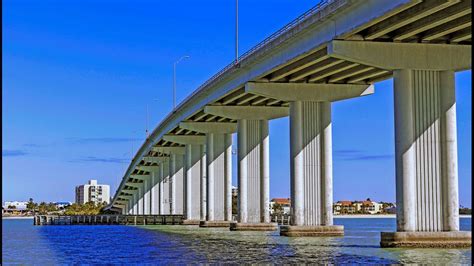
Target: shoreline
<point>344,216</point>
<point>17,217</point>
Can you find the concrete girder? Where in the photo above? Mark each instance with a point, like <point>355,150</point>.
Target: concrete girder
<point>148,168</point>
<point>168,150</point>
<point>126,197</point>
<point>210,127</point>
<point>137,185</point>
<point>140,177</point>
<point>185,139</point>
<point>248,112</point>
<point>127,190</point>
<point>420,11</point>
<point>154,159</point>
<point>394,56</point>
<point>449,14</point>
<point>308,91</point>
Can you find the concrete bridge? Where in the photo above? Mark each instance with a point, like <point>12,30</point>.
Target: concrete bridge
<point>335,51</point>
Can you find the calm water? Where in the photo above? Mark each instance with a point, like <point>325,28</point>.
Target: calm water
<point>26,244</point>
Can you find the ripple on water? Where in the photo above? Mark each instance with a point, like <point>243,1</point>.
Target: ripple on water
<point>24,243</point>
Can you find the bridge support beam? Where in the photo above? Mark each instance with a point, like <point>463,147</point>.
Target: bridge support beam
<point>176,166</point>
<point>219,180</point>
<point>154,190</point>
<point>253,177</point>
<point>425,137</point>
<point>193,177</point>
<point>426,162</point>
<point>146,196</point>
<point>216,171</point>
<point>311,171</point>
<point>253,158</point>
<point>164,188</point>
<point>194,174</point>
<point>311,151</point>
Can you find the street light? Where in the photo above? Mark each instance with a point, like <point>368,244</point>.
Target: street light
<point>147,118</point>
<point>174,79</point>
<point>236,31</point>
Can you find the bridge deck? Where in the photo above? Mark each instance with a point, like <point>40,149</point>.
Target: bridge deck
<point>298,54</point>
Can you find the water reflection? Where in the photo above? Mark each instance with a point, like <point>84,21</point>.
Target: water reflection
<point>25,243</point>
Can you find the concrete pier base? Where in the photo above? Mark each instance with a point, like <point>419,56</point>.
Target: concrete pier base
<point>317,230</point>
<point>214,224</point>
<point>448,239</point>
<point>253,226</point>
<point>191,222</point>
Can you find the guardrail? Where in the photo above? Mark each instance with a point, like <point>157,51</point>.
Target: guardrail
<point>107,219</point>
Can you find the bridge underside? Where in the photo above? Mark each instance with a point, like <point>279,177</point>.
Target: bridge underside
<point>419,43</point>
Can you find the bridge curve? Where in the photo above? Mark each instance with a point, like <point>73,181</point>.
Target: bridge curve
<point>334,51</point>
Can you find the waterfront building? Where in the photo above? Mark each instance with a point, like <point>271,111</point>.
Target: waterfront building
<point>285,204</point>
<point>92,192</point>
<point>344,207</point>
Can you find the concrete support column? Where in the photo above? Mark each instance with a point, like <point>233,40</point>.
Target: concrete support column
<point>146,196</point>
<point>165,188</point>
<point>311,164</point>
<point>253,172</point>
<point>426,151</point>
<point>449,146</point>
<point>140,200</point>
<point>176,183</point>
<point>192,183</point>
<point>135,203</point>
<point>219,177</point>
<point>426,161</point>
<point>154,193</point>
<point>203,184</point>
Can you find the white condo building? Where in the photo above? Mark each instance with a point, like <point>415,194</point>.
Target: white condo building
<point>92,192</point>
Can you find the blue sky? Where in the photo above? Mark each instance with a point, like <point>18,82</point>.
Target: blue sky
<point>78,75</point>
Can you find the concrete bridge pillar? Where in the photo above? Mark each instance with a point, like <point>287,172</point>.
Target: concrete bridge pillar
<point>135,203</point>
<point>253,176</point>
<point>146,196</point>
<point>219,179</point>
<point>154,192</point>
<point>176,168</point>
<point>311,151</point>
<point>253,158</point>
<point>165,188</point>
<point>140,200</point>
<point>193,174</point>
<point>217,172</point>
<point>311,170</point>
<point>426,160</point>
<point>425,137</point>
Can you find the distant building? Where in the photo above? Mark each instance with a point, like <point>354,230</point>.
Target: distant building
<point>17,205</point>
<point>92,192</point>
<point>235,191</point>
<point>62,204</point>
<point>344,207</point>
<point>371,207</point>
<point>285,203</point>
<point>364,207</point>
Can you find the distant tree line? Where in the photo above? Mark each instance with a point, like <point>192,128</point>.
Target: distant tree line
<point>88,208</point>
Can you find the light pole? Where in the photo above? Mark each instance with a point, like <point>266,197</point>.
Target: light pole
<point>147,119</point>
<point>236,31</point>
<point>174,79</point>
